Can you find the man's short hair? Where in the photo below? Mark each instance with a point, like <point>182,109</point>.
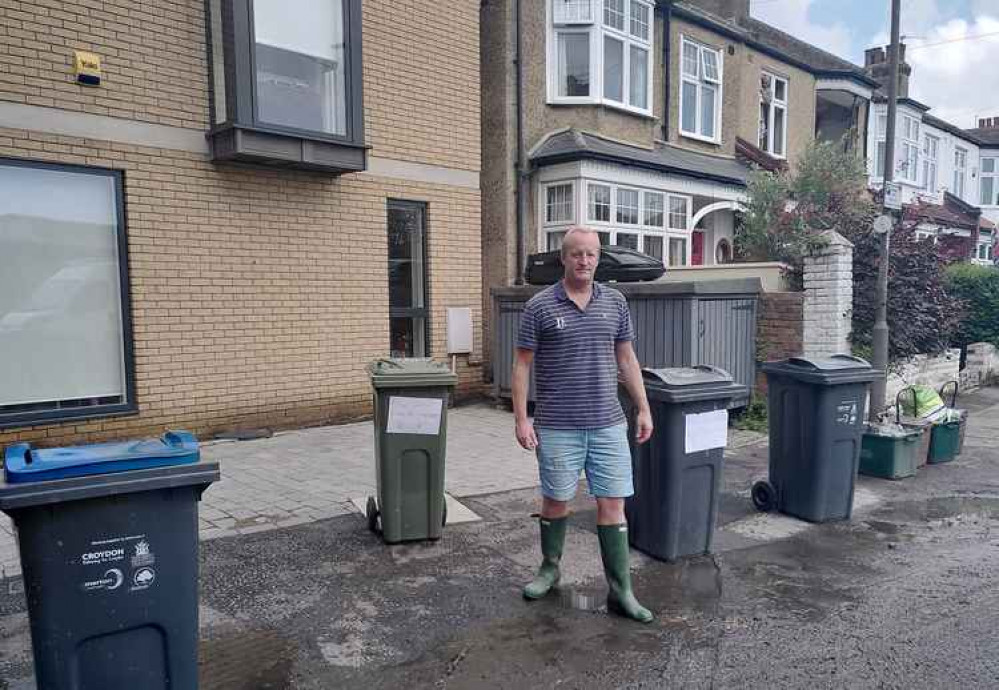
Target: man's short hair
<point>574,230</point>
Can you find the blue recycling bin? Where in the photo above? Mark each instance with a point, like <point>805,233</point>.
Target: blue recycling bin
<point>108,538</point>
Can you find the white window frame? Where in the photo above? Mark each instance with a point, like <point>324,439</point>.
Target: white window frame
<point>909,166</point>
<point>547,206</point>
<point>596,30</point>
<point>773,105</point>
<point>960,171</point>
<point>931,163</point>
<point>612,228</point>
<point>880,144</point>
<point>701,82</point>
<point>994,176</point>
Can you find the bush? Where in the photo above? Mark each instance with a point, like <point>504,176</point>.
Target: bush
<point>922,317</point>
<point>978,288</point>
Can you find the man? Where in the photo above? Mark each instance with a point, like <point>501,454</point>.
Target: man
<point>578,334</point>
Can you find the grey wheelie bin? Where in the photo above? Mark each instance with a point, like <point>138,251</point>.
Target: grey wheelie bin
<point>108,537</point>
<point>410,402</point>
<point>816,410</point>
<point>677,472</point>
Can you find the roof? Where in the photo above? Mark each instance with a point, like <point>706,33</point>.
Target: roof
<point>903,100</point>
<point>572,145</point>
<point>774,42</point>
<point>952,129</point>
<point>754,155</point>
<point>953,213</point>
<point>984,136</point>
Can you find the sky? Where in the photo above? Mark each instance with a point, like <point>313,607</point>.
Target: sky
<point>953,72</point>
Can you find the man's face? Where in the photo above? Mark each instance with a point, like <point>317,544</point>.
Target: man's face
<point>580,256</point>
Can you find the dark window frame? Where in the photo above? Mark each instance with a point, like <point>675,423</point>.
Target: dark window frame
<point>424,311</point>
<point>241,136</point>
<point>130,404</point>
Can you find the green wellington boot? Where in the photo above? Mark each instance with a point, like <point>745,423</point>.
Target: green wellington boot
<point>552,539</point>
<point>617,568</point>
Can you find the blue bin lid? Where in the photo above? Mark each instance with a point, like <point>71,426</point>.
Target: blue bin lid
<point>22,463</point>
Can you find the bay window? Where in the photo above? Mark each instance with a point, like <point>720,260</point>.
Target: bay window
<point>700,91</point>
<point>287,85</point>
<point>65,326</point>
<point>600,53</point>
<point>650,221</point>
<point>773,115</point>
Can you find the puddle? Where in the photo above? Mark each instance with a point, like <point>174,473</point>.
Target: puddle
<point>691,584</point>
<point>935,509</point>
<point>237,660</point>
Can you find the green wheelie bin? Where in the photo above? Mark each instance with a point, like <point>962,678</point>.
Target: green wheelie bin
<point>410,403</point>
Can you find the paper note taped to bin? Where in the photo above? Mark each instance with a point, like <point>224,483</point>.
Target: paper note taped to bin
<point>414,416</point>
<point>705,430</point>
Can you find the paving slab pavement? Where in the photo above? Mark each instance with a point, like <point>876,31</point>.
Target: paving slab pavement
<point>297,477</point>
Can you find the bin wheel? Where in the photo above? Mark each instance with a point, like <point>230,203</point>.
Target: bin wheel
<point>371,512</point>
<point>764,496</point>
<point>444,514</point>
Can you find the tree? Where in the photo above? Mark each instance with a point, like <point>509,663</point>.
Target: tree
<point>786,215</point>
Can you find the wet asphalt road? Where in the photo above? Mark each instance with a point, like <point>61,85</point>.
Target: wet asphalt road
<point>905,595</point>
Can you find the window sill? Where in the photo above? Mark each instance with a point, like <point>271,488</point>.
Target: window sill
<point>703,139</point>
<point>241,143</point>
<point>627,110</point>
<point>53,417</point>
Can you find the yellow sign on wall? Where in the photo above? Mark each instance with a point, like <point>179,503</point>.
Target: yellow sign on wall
<point>87,67</point>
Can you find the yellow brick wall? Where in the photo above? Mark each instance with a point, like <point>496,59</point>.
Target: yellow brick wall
<point>258,296</point>
<point>421,68</point>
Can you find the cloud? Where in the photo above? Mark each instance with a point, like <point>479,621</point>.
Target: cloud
<point>955,76</point>
<point>793,18</point>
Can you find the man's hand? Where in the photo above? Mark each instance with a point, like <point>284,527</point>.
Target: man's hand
<point>526,437</point>
<point>643,426</point>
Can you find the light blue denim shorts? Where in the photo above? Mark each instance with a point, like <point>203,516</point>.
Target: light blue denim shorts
<point>603,454</point>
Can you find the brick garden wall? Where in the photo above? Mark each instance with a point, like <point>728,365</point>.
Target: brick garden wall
<point>779,329</point>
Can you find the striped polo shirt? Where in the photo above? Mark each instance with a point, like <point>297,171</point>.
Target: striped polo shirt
<point>575,366</point>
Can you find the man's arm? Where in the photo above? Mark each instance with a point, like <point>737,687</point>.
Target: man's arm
<point>631,375</point>
<point>521,379</point>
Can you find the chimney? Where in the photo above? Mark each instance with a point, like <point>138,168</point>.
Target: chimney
<point>736,10</point>
<point>877,64</point>
<point>988,123</point>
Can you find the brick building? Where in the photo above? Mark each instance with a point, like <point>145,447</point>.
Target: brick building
<point>250,207</point>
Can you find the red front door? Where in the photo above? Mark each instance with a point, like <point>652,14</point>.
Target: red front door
<point>697,248</point>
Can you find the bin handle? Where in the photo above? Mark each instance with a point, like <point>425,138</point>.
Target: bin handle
<point>953,397</point>
<point>713,369</point>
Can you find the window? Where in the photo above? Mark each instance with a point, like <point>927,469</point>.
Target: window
<point>640,219</point>
<point>558,204</point>
<point>960,171</point>
<point>773,115</point>
<point>601,56</point>
<point>65,327</point>
<point>652,214</point>
<point>599,203</point>
<point>700,91</point>
<point>678,213</point>
<point>910,149</point>
<point>990,182</point>
<point>285,76</point>
<point>407,269</point>
<point>879,147</point>
<point>677,251</point>
<point>983,252</point>
<point>931,145</point>
<point>627,206</point>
